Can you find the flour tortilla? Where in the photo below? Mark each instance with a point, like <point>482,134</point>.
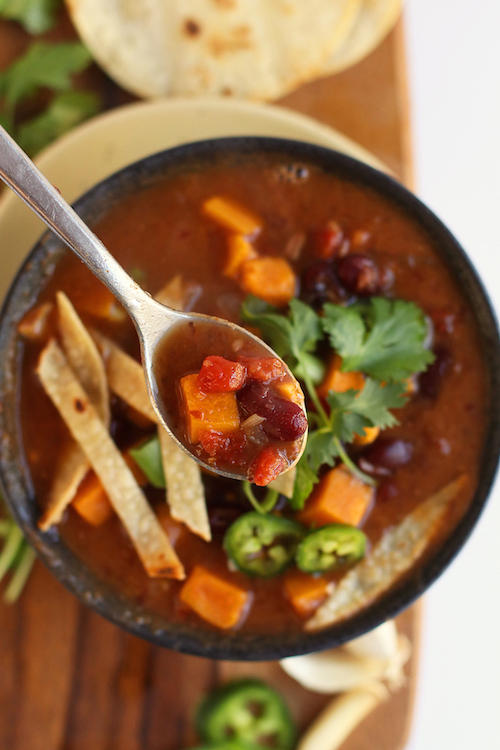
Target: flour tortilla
<point>258,49</point>
<point>375,18</point>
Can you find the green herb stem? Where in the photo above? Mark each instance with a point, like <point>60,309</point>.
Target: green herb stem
<point>352,466</point>
<point>20,576</point>
<point>268,503</point>
<point>13,542</point>
<point>313,395</point>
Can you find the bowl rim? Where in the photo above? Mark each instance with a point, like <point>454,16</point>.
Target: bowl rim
<point>15,481</point>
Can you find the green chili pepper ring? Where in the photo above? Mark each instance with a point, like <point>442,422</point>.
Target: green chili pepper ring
<point>330,547</point>
<point>246,711</point>
<point>263,545</point>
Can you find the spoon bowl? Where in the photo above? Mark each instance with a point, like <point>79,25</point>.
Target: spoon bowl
<point>152,320</point>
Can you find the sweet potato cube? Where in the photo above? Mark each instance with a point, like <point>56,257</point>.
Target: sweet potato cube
<point>207,411</point>
<point>304,592</point>
<point>230,215</point>
<point>91,501</point>
<point>340,497</point>
<point>239,250</point>
<point>271,279</point>
<point>338,381</point>
<point>218,601</point>
<point>369,435</point>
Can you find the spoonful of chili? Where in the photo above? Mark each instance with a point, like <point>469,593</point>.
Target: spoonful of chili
<point>224,396</point>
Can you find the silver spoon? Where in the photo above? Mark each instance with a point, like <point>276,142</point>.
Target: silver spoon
<point>151,319</point>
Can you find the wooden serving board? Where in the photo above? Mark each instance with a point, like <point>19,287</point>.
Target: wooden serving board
<point>70,680</point>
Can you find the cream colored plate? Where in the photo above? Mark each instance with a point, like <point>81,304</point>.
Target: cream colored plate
<point>110,141</point>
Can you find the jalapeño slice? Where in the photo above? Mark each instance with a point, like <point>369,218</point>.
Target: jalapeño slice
<point>330,547</point>
<point>248,712</point>
<point>263,545</point>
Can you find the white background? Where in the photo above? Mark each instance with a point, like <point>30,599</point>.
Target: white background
<point>453,49</point>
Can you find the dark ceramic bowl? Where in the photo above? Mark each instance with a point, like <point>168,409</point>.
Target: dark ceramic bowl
<point>15,477</point>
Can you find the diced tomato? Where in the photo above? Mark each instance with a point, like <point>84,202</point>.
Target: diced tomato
<point>264,369</point>
<point>327,241</point>
<point>220,375</point>
<point>226,447</point>
<point>268,465</point>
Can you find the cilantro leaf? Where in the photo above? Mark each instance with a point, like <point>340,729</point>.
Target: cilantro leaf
<point>321,448</point>
<point>351,411</point>
<point>62,114</point>
<point>36,16</point>
<point>305,480</point>
<point>43,65</point>
<point>383,338</point>
<point>293,337</point>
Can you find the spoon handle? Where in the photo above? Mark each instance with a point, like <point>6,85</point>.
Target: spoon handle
<point>22,176</point>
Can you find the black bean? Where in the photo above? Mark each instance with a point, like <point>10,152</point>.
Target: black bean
<point>285,420</point>
<point>320,284</point>
<point>384,456</point>
<point>429,382</point>
<point>359,274</point>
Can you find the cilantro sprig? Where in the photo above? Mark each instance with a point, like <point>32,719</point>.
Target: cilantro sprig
<point>36,16</point>
<point>383,339</point>
<point>46,67</point>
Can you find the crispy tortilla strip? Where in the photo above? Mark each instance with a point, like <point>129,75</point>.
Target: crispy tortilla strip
<point>395,553</point>
<point>85,360</point>
<point>125,377</point>
<point>70,472</point>
<point>179,294</point>
<point>284,484</point>
<point>65,391</point>
<point>256,49</point>
<point>185,492</point>
<point>83,356</point>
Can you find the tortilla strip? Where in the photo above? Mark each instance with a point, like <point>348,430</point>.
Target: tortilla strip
<point>179,294</point>
<point>147,535</point>
<point>125,377</point>
<point>69,473</point>
<point>83,356</point>
<point>394,554</point>
<point>185,492</point>
<point>285,483</point>
<point>85,360</point>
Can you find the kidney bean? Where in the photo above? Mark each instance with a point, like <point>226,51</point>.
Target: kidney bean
<point>284,420</point>
<point>429,382</point>
<point>359,274</point>
<point>320,284</point>
<point>385,455</point>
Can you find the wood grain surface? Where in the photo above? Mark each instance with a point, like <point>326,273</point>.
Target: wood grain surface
<point>70,680</point>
